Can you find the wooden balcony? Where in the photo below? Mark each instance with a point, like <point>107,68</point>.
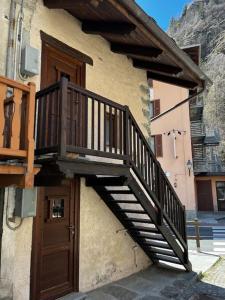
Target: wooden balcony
<point>17,108</point>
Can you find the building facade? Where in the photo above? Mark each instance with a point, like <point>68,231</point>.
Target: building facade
<point>104,205</point>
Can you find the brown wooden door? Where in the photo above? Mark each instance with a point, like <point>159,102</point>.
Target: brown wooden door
<point>55,242</point>
<point>204,195</point>
<point>55,65</point>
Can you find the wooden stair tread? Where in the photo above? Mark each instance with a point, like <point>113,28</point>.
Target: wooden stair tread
<point>144,229</point>
<point>139,220</point>
<point>156,244</point>
<point>125,201</point>
<point>106,181</point>
<point>132,211</point>
<point>120,192</point>
<point>151,237</point>
<point>170,259</point>
<point>162,251</point>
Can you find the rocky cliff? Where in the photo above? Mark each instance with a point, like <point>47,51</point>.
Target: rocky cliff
<point>203,22</point>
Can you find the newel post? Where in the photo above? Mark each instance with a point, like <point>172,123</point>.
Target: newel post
<point>126,137</point>
<point>63,116</point>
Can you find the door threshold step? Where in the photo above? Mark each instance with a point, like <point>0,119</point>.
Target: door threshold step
<point>144,229</point>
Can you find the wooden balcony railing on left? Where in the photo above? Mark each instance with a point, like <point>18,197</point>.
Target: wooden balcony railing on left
<point>17,114</point>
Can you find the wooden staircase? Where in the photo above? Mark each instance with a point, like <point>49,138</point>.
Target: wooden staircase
<point>134,185</point>
<point>134,208</point>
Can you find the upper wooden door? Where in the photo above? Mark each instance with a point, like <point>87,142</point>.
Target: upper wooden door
<point>204,195</point>
<point>55,65</point>
<point>55,256</point>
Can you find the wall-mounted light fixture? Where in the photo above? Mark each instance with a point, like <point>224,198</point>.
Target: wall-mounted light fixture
<point>189,166</point>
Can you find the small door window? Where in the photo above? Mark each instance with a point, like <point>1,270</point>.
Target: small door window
<point>57,208</point>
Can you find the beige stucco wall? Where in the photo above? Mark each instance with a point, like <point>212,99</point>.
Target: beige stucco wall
<point>177,119</point>
<point>104,254</point>
<point>16,253</point>
<point>213,180</point>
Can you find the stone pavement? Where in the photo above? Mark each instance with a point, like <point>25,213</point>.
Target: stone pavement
<point>210,287</point>
<point>157,283</point>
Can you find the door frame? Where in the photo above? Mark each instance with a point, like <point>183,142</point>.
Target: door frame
<point>36,235</point>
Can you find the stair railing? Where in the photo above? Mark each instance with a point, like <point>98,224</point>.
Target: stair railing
<point>72,119</point>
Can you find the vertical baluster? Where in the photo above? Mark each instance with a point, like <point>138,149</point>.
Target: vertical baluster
<point>121,131</point>
<point>145,164</point>
<point>86,125</point>
<point>93,124</point>
<point>99,125</point>
<point>130,139</point>
<point>63,115</point>
<point>126,135</point>
<point>115,129</point>
<point>142,157</point>
<point>148,168</point>
<point>105,124</point>
<point>138,151</point>
<point>30,133</point>
<point>111,137</point>
<point>134,146</point>
<point>3,89</point>
<point>16,122</point>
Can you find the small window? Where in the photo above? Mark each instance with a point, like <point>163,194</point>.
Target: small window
<point>58,208</point>
<point>54,209</point>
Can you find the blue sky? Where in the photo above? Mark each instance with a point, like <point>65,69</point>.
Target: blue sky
<point>163,10</point>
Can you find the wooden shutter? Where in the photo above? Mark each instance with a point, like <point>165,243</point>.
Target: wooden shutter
<point>158,145</point>
<point>156,107</point>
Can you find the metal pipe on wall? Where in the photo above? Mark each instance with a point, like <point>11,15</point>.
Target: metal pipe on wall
<point>10,57</point>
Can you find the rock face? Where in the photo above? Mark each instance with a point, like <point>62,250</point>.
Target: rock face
<point>203,22</point>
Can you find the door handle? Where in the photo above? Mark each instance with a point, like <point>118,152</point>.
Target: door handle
<point>72,229</point>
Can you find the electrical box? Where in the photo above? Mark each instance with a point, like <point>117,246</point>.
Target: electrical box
<point>25,202</point>
<point>30,63</point>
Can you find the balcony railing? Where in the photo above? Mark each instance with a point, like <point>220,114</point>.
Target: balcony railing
<point>74,120</point>
<point>197,132</point>
<point>17,107</point>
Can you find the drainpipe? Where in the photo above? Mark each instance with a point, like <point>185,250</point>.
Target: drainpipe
<point>10,59</point>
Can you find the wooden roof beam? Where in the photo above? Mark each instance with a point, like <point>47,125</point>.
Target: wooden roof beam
<point>172,80</point>
<point>63,4</point>
<point>154,66</point>
<point>119,28</point>
<point>135,50</point>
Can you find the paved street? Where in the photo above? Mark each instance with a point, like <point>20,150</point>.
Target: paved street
<point>212,239</point>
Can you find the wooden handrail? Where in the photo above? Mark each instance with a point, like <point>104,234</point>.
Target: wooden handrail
<point>17,109</point>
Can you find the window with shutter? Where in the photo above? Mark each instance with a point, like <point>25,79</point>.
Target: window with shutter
<point>158,145</point>
<point>155,108</point>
